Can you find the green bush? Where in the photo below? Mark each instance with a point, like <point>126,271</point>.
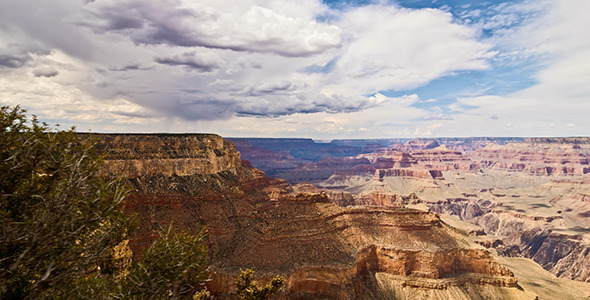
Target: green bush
<point>247,290</point>
<point>60,223</point>
<point>59,220</point>
<point>172,267</point>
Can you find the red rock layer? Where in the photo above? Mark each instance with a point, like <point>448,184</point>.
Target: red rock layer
<point>143,155</point>
<point>535,158</point>
<point>423,174</point>
<point>443,159</point>
<point>379,198</point>
<point>322,249</point>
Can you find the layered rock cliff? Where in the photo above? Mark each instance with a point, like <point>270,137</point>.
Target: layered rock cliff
<point>295,159</point>
<point>144,155</point>
<point>324,250</point>
<point>528,199</point>
<point>536,158</point>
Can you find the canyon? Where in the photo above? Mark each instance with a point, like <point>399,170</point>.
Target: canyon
<point>370,240</point>
<point>517,197</point>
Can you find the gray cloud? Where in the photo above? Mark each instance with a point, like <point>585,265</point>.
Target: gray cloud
<point>130,67</point>
<point>17,56</point>
<point>45,71</point>
<point>14,61</point>
<point>441,117</point>
<point>207,62</point>
<point>134,57</point>
<point>203,109</point>
<point>302,104</point>
<point>257,29</point>
<point>268,88</point>
<point>46,24</point>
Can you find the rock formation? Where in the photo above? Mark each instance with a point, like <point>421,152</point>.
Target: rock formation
<point>536,158</point>
<point>144,155</point>
<point>530,198</point>
<point>295,159</point>
<point>443,159</point>
<point>324,250</point>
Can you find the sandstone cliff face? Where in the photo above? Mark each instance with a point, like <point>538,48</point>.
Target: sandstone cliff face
<point>379,198</point>
<point>323,250</point>
<point>517,234</point>
<point>373,198</point>
<point>536,158</point>
<point>443,159</point>
<point>423,174</point>
<point>142,155</point>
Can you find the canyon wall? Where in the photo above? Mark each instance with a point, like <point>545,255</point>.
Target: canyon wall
<point>528,199</point>
<point>144,155</point>
<point>324,250</point>
<point>523,197</point>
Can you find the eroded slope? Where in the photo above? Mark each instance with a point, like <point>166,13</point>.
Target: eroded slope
<point>323,250</point>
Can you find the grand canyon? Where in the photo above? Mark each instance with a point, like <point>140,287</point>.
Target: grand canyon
<point>473,218</point>
<point>329,149</point>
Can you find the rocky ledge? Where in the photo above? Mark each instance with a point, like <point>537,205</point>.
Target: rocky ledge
<point>141,155</point>
<point>536,158</point>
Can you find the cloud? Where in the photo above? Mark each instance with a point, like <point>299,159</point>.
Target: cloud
<point>437,117</point>
<point>203,109</point>
<point>427,131</point>
<point>45,25</point>
<point>372,122</point>
<point>560,95</point>
<point>130,67</point>
<point>294,67</point>
<point>248,59</point>
<point>391,48</point>
<point>56,102</point>
<point>242,28</point>
<point>14,61</point>
<point>45,71</point>
<point>303,103</point>
<point>204,62</point>
<point>17,56</point>
<point>269,88</point>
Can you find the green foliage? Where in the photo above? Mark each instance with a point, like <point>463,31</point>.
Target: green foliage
<point>171,267</point>
<point>60,223</point>
<point>247,290</point>
<point>59,220</point>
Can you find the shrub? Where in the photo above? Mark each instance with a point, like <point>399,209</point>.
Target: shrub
<point>59,220</point>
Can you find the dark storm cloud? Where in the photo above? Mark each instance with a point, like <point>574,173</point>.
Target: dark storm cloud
<point>45,72</point>
<point>14,61</point>
<point>192,60</point>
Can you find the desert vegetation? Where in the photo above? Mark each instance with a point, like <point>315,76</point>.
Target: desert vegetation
<point>63,234</point>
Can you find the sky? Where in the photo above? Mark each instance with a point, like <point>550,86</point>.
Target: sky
<point>301,68</point>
